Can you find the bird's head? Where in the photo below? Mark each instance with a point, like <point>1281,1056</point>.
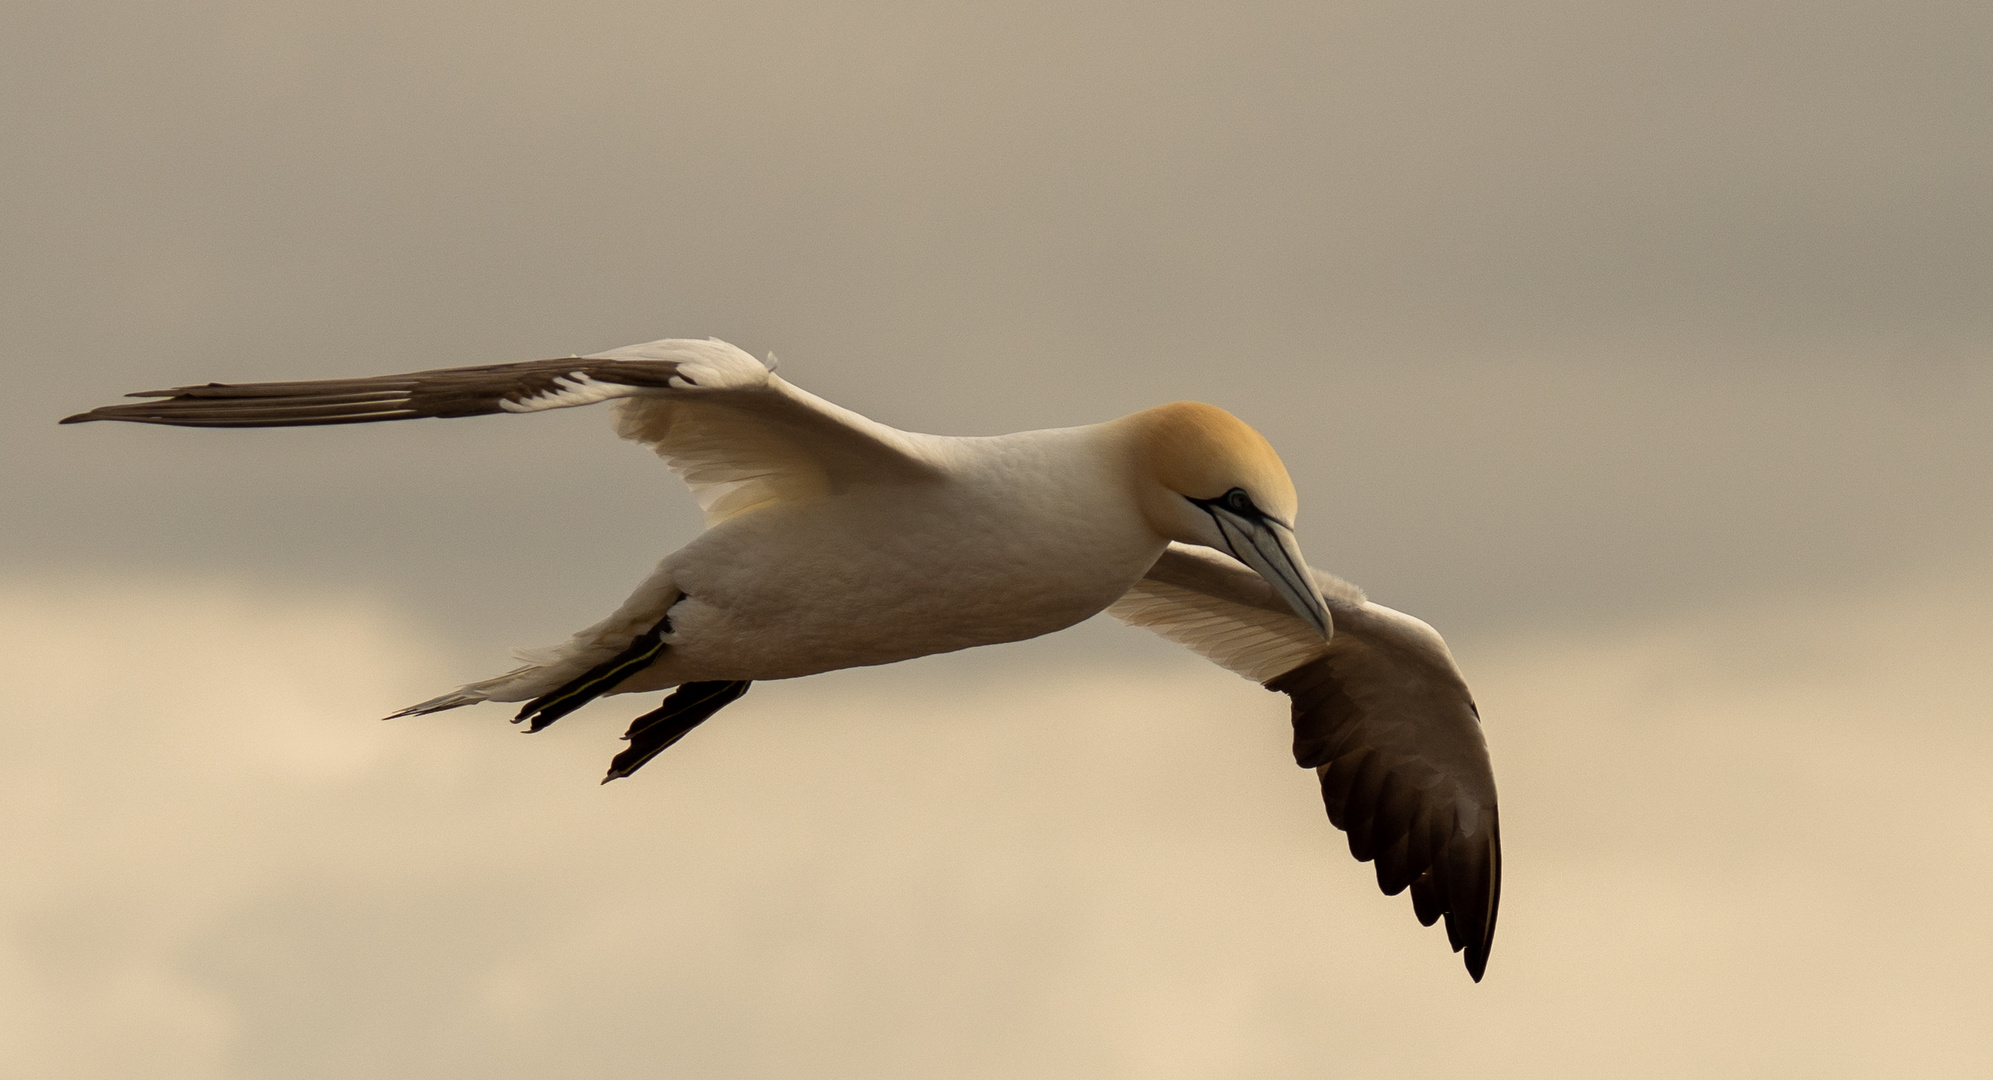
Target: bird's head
<point>1208,478</point>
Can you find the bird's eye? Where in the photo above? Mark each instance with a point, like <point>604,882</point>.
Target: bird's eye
<point>1238,501</point>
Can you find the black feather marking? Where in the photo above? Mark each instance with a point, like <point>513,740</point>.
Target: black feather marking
<point>1325,716</point>
<point>1486,898</point>
<point>1390,832</point>
<point>1337,778</point>
<point>1418,842</point>
<point>652,733</point>
<point>1360,806</point>
<point>1425,899</point>
<point>1392,876</point>
<point>446,392</point>
<point>1472,891</point>
<point>1456,921</point>
<point>598,680</point>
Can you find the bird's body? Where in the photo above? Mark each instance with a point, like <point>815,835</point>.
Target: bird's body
<point>834,541</point>
<point>982,552</point>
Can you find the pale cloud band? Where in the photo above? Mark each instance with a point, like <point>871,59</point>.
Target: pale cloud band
<point>1763,824</point>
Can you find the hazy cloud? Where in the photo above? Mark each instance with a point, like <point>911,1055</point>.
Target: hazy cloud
<point>1749,840</point>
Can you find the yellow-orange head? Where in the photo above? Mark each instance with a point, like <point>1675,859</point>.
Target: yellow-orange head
<point>1205,477</point>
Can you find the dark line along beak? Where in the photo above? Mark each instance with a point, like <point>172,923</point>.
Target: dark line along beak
<point>1269,548</point>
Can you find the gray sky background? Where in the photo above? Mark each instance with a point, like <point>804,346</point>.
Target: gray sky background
<point>1644,350</point>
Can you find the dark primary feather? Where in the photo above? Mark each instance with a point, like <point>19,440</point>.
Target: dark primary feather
<point>465,391</point>
<point>1386,721</point>
<point>1405,772</point>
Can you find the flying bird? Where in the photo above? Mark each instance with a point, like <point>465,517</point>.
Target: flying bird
<point>834,541</point>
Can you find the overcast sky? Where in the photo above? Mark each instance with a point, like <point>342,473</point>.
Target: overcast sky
<point>1645,350</point>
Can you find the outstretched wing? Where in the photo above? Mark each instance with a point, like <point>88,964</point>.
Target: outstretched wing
<point>1382,715</point>
<point>467,391</point>
<point>739,435</point>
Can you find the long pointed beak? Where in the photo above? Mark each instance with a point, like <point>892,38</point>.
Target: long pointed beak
<point>1270,549</point>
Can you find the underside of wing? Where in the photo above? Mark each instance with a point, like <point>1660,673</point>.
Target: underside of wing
<point>739,451</point>
<point>1215,607</point>
<point>1380,712</point>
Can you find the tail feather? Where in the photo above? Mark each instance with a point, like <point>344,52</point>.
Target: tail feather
<point>519,684</point>
<point>550,670</point>
<point>455,699</point>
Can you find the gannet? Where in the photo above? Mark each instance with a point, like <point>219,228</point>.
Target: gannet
<point>834,541</point>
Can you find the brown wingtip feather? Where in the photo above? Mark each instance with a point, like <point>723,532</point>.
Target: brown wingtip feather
<point>1423,810</point>
<point>1491,900</point>
<point>444,392</point>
